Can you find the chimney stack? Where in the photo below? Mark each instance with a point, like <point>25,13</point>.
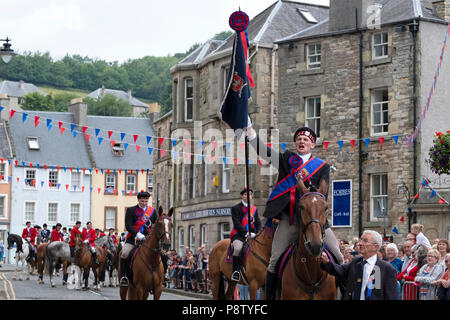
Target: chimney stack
<point>4,102</point>
<point>21,84</point>
<point>102,92</point>
<point>441,8</point>
<point>79,110</point>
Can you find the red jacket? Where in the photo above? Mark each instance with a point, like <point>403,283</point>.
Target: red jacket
<point>32,233</point>
<point>408,276</point>
<point>73,233</point>
<point>115,238</point>
<point>56,236</point>
<point>90,235</point>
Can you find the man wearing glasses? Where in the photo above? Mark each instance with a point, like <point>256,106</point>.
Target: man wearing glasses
<point>366,277</point>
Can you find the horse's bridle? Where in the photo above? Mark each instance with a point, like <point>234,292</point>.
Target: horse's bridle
<point>304,227</point>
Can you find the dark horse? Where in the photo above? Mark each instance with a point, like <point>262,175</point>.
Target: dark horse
<point>255,267</point>
<point>23,250</point>
<point>83,259</point>
<point>303,279</point>
<point>147,268</point>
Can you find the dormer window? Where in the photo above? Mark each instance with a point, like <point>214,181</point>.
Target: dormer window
<point>118,149</point>
<point>33,143</point>
<point>307,15</point>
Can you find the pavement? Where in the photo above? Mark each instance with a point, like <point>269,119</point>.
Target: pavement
<point>202,296</point>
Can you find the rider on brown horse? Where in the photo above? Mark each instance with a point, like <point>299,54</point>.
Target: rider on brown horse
<point>89,237</point>
<point>245,225</point>
<point>283,204</point>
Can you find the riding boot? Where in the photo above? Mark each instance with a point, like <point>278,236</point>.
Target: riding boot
<point>123,273</point>
<point>235,276</point>
<point>164,259</point>
<point>94,254</point>
<point>270,288</point>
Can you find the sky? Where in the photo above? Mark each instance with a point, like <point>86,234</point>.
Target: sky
<point>115,30</point>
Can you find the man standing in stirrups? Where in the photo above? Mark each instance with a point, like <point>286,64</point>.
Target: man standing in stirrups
<point>245,225</point>
<point>282,203</point>
<point>138,221</point>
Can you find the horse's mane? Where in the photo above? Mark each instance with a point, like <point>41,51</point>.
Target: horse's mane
<point>17,239</point>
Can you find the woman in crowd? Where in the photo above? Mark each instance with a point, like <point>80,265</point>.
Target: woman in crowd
<point>443,248</point>
<point>428,274</point>
<point>401,252</point>
<point>443,283</point>
<point>392,257</point>
<point>419,253</point>
<point>348,257</point>
<point>204,269</point>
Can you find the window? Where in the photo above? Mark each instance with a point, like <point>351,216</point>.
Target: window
<point>380,45</point>
<point>378,196</point>
<point>110,218</point>
<point>33,143</point>
<point>192,181</point>
<point>75,213</point>
<point>150,183</point>
<point>110,182</point>
<point>180,240</point>
<point>379,118</point>
<point>314,56</point>
<point>307,15</point>
<point>224,230</point>
<point>188,99</point>
<point>118,149</point>
<point>53,179</point>
<point>192,238</point>
<point>3,202</point>
<point>203,237</point>
<point>30,211</point>
<point>131,182</point>
<point>75,180</point>
<point>312,114</point>
<point>3,172</point>
<point>52,212</point>
<point>30,178</point>
<point>225,71</point>
<point>226,175</point>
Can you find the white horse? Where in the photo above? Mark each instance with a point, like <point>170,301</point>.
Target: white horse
<point>22,255</point>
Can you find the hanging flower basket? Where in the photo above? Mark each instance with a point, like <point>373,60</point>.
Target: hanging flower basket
<point>440,153</point>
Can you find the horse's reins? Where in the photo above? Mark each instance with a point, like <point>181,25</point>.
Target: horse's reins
<point>311,287</point>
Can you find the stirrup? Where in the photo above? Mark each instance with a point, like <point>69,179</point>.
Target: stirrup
<point>236,276</point>
<point>124,282</point>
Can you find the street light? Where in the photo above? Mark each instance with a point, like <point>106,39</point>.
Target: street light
<point>6,52</point>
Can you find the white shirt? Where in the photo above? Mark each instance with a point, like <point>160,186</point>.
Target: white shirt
<point>305,157</point>
<point>368,267</point>
<point>421,239</point>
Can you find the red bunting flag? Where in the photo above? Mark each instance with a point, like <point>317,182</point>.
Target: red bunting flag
<point>34,183</point>
<point>131,193</point>
<point>120,171</point>
<point>325,144</point>
<point>17,179</point>
<point>135,136</point>
<point>61,130</point>
<point>70,169</point>
<point>98,190</point>
<point>381,139</point>
<point>416,196</point>
<point>441,201</point>
<point>96,171</point>
<point>59,124</point>
<point>57,168</point>
<point>241,145</point>
<point>82,189</point>
<point>16,162</point>
<point>214,144</point>
<point>137,148</point>
<point>109,134</point>
<point>269,145</point>
<point>31,165</point>
<point>67,187</point>
<point>260,162</point>
<point>160,141</point>
<point>162,152</point>
<point>142,172</point>
<point>115,192</point>
<point>186,142</point>
<point>87,136</point>
<point>11,113</point>
<point>107,171</point>
<point>1,177</point>
<point>2,159</point>
<point>236,160</point>
<point>45,166</point>
<point>50,184</point>
<point>84,129</point>
<point>36,121</point>
<point>402,219</point>
<point>188,156</point>
<point>131,171</point>
<point>352,143</point>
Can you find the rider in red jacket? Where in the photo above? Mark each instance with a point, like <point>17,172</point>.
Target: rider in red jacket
<point>89,236</point>
<point>29,234</point>
<point>76,230</point>
<point>56,233</point>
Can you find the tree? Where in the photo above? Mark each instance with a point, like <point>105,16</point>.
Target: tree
<point>38,102</point>
<point>108,106</point>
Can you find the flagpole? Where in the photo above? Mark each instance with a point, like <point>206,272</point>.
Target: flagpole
<point>247,182</point>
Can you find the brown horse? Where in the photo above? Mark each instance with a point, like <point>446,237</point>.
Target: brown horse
<point>255,267</point>
<point>41,261</point>
<point>303,279</point>
<point>83,259</point>
<point>147,268</point>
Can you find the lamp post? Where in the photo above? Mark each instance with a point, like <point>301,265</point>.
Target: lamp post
<point>6,52</point>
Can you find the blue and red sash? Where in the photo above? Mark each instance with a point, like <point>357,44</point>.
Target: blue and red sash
<point>288,183</point>
<point>144,215</point>
<point>244,220</point>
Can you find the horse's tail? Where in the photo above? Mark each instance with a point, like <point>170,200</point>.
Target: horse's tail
<point>221,289</point>
<point>47,259</point>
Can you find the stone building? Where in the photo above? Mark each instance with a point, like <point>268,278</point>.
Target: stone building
<point>206,179</point>
<point>359,83</point>
<point>16,90</point>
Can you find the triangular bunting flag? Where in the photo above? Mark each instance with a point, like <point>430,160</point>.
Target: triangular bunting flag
<point>214,144</point>
<point>24,117</point>
<point>441,201</point>
<point>367,141</point>
<point>340,143</point>
<point>283,146</point>
<point>148,139</point>
<point>325,144</point>
<point>72,127</point>
<point>100,139</point>
<point>395,230</point>
<point>122,135</point>
<point>84,129</point>
<point>97,131</point>
<point>160,141</point>
<point>87,136</point>
<point>150,150</point>
<point>381,139</point>
<point>162,152</point>
<point>433,193</point>
<point>352,143</point>
<point>109,134</point>
<point>135,136</point>
<point>395,139</point>
<point>36,121</point>
<point>11,113</point>
<point>137,148</point>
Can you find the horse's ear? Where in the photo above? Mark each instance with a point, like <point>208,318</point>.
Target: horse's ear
<point>160,211</point>
<point>323,188</point>
<point>301,186</point>
<point>170,212</point>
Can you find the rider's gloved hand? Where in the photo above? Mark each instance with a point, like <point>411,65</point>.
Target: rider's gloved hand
<point>140,236</point>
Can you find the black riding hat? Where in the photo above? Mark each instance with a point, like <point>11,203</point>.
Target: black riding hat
<point>245,191</point>
<point>143,194</point>
<point>305,131</point>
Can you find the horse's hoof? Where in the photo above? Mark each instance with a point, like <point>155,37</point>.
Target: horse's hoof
<point>20,279</point>
<point>28,278</point>
<point>64,283</point>
<point>14,278</point>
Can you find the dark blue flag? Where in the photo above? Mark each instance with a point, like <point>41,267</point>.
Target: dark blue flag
<point>234,108</point>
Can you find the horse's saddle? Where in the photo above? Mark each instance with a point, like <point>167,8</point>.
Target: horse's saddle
<point>242,255</point>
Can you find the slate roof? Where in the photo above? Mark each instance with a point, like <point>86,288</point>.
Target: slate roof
<point>131,159</point>
<point>13,88</point>
<point>55,149</point>
<point>5,147</point>
<point>391,12</point>
<point>119,94</point>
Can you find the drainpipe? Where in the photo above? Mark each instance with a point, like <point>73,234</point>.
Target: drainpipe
<point>272,102</point>
<point>414,29</point>
<point>360,153</point>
